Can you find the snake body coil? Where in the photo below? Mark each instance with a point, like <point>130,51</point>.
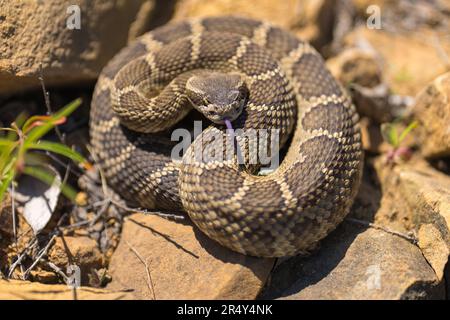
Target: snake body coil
<point>141,94</point>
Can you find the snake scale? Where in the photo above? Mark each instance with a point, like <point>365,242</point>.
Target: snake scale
<point>141,95</point>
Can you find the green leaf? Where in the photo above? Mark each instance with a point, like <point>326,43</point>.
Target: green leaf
<point>7,129</point>
<point>46,176</point>
<point>36,159</point>
<point>21,118</point>
<point>9,166</point>
<point>6,160</point>
<point>34,119</point>
<point>38,132</point>
<point>389,133</point>
<point>40,173</point>
<point>11,133</point>
<point>5,182</point>
<point>13,130</point>
<point>57,148</point>
<point>408,129</point>
<point>7,142</point>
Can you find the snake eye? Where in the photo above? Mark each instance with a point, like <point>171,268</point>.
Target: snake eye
<point>234,95</point>
<point>241,95</point>
<point>211,113</point>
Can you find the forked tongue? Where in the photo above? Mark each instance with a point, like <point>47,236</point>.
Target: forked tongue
<point>233,137</point>
<point>229,126</point>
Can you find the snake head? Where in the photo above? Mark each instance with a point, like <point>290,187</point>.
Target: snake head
<point>218,96</point>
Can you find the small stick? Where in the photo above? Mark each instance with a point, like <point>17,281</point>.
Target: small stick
<point>149,278</point>
<point>99,214</point>
<point>75,225</point>
<point>13,212</point>
<point>66,166</point>
<point>74,293</point>
<point>58,270</point>
<point>47,101</point>
<point>66,174</point>
<point>376,226</point>
<point>31,245</point>
<point>144,211</point>
<point>39,257</point>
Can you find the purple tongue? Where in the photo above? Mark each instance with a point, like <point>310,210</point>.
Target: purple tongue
<point>233,137</point>
<point>229,126</point>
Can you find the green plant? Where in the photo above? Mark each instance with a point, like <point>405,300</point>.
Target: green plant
<point>18,147</point>
<point>392,136</point>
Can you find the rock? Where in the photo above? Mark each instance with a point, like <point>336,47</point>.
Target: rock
<point>435,248</point>
<point>360,71</point>
<point>67,55</point>
<point>310,19</point>
<point>182,263</point>
<point>373,254</point>
<point>371,137</point>
<point>9,248</point>
<point>406,16</point>
<point>432,110</point>
<point>403,56</point>
<point>80,251</point>
<point>357,263</point>
<point>361,5</point>
<point>6,220</point>
<point>356,66</point>
<point>422,194</point>
<point>43,276</point>
<point>16,289</point>
<point>6,229</point>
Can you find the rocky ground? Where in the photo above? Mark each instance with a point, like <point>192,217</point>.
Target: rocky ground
<point>394,244</point>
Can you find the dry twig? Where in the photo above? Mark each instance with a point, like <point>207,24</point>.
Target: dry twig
<point>20,257</point>
<point>39,257</point>
<point>147,270</point>
<point>411,239</point>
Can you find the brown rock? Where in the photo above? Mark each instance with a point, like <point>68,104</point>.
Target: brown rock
<point>16,289</point>
<point>425,192</point>
<point>371,137</point>
<point>432,110</point>
<point>360,71</point>
<point>358,263</point>
<point>408,15</point>
<point>80,251</point>
<point>435,248</point>
<point>6,221</point>
<point>309,19</point>
<point>373,254</point>
<point>356,66</point>
<point>6,233</point>
<point>182,263</point>
<point>361,5</point>
<point>43,276</point>
<point>422,194</point>
<point>404,55</point>
<point>34,32</point>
